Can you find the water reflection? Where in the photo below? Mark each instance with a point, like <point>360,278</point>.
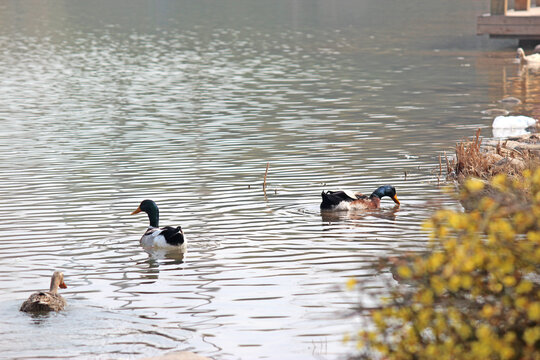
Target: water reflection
<point>511,80</point>
<point>157,257</point>
<point>355,214</point>
<point>185,103</point>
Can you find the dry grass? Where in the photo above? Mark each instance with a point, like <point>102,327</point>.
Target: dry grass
<point>483,161</point>
<point>509,157</point>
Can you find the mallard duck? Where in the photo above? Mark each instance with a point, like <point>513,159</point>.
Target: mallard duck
<point>168,237</point>
<point>346,200</point>
<point>528,59</point>
<point>47,300</point>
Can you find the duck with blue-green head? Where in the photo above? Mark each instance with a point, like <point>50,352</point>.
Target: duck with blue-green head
<point>168,237</point>
<point>349,200</point>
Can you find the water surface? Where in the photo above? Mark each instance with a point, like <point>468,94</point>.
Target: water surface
<point>106,104</point>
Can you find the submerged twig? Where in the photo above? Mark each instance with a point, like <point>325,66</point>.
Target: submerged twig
<point>447,165</point>
<point>265,174</point>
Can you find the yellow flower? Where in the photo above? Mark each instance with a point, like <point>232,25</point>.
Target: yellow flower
<point>455,220</point>
<point>426,297</point>
<point>464,331</point>
<point>499,182</point>
<point>524,286</point>
<point>507,352</point>
<point>351,283</point>
<point>509,281</point>
<point>437,284</point>
<point>534,311</point>
<point>378,318</point>
<point>531,335</point>
<point>424,316</point>
<point>481,254</point>
<point>432,351</point>
<point>404,272</point>
<point>435,261</point>
<point>466,281</point>
<point>483,332</point>
<point>533,236</point>
<point>469,264</point>
<point>521,302</point>
<point>474,185</point>
<point>454,283</point>
<point>488,311</point>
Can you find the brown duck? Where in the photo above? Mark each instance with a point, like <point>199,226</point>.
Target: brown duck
<point>47,300</point>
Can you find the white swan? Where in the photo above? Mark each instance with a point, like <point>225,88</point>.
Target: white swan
<point>528,59</point>
<point>513,122</point>
<point>507,126</point>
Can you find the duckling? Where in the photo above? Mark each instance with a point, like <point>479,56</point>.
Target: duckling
<point>48,300</point>
<point>168,237</point>
<point>348,200</point>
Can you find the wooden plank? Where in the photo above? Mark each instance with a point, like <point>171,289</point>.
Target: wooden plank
<point>522,5</point>
<point>515,24</point>
<point>498,7</point>
<point>520,31</point>
<point>508,20</point>
<point>534,11</point>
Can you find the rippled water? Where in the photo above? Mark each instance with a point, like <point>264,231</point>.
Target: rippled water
<point>105,104</point>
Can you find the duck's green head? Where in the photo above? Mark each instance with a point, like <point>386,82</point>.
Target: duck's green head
<point>149,207</point>
<point>386,190</point>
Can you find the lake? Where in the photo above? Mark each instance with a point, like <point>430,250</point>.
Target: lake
<point>105,104</point>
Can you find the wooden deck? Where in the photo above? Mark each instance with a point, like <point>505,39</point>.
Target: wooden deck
<point>521,23</point>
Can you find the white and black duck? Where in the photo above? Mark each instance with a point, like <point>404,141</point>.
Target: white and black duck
<point>168,237</point>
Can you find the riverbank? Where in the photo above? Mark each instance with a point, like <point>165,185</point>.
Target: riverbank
<point>485,159</point>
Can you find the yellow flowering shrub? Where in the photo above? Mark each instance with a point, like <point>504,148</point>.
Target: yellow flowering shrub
<point>476,294</point>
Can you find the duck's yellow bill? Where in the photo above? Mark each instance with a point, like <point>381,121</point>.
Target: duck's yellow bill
<point>395,199</point>
<point>136,211</point>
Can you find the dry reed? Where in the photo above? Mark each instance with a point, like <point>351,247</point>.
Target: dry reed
<point>474,160</point>
<point>265,175</point>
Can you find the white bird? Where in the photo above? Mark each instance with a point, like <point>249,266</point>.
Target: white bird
<point>508,126</point>
<point>528,59</point>
<point>513,122</point>
<point>168,237</point>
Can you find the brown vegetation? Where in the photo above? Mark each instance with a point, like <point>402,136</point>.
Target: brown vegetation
<point>511,157</point>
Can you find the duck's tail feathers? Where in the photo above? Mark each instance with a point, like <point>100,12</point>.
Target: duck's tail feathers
<point>173,235</point>
<point>331,199</point>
